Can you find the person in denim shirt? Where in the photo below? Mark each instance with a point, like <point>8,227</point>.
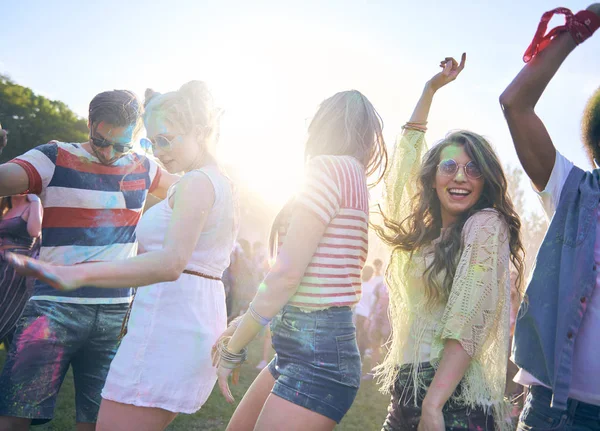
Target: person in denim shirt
<point>555,343</point>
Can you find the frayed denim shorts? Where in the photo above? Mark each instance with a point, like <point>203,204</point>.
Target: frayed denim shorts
<point>317,363</point>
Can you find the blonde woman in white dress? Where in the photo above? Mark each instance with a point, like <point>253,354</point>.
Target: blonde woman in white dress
<point>163,366</point>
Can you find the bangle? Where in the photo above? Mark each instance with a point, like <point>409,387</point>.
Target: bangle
<point>262,321</point>
<point>422,127</point>
<point>230,359</point>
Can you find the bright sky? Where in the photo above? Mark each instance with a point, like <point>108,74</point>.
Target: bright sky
<point>271,63</point>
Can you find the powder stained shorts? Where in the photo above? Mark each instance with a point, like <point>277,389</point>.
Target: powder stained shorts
<point>317,362</point>
<point>49,337</point>
<point>404,415</point>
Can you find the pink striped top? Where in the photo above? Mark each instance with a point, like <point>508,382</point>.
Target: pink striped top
<point>335,190</point>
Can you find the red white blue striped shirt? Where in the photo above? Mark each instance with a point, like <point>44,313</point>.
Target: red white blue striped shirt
<point>90,211</point>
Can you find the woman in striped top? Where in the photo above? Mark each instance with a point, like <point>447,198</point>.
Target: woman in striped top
<point>20,230</point>
<point>313,285</point>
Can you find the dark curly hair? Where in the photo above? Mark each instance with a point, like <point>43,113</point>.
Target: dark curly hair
<point>590,128</point>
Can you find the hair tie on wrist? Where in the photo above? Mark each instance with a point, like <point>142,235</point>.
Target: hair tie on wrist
<point>421,127</point>
<point>263,321</point>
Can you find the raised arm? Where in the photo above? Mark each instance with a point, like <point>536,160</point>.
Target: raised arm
<point>531,139</point>
<point>451,69</point>
<point>400,177</point>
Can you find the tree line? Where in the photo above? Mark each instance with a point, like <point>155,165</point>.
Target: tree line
<point>31,119</point>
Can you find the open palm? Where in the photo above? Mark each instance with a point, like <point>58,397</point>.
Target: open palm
<point>59,277</point>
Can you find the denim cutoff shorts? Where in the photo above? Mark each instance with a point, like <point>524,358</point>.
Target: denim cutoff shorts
<point>317,362</point>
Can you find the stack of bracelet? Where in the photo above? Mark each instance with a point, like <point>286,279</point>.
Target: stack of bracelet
<point>229,359</point>
<point>263,321</point>
<point>413,125</point>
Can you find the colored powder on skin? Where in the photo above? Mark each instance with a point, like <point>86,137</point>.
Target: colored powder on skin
<point>262,287</point>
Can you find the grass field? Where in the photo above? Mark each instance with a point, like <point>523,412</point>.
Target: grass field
<point>367,412</point>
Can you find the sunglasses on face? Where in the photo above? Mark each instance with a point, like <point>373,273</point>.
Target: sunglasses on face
<point>103,143</point>
<point>449,168</point>
<point>158,142</point>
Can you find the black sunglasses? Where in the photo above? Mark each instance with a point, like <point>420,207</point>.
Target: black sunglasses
<point>103,143</point>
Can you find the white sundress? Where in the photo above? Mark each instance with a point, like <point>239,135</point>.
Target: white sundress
<point>164,361</point>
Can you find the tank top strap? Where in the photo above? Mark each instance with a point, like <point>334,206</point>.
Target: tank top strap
<point>217,179</point>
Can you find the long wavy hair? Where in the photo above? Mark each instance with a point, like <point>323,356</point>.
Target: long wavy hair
<point>424,224</point>
<point>346,124</point>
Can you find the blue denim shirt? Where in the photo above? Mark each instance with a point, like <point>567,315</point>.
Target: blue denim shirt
<point>563,279</point>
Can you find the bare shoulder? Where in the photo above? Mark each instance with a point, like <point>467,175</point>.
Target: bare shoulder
<point>195,185</point>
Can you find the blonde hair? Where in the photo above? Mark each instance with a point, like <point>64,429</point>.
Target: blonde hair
<point>191,109</point>
<point>348,124</point>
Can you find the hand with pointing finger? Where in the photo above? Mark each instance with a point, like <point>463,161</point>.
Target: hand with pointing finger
<point>450,71</point>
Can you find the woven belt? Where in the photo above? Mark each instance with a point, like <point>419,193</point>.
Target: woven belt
<point>200,274</point>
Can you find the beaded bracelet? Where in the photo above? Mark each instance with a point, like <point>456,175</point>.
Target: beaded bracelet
<point>416,126</point>
<point>263,321</point>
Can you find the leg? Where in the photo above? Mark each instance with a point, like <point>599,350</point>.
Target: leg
<point>92,361</point>
<point>115,416</point>
<point>83,426</point>
<point>276,414</point>
<point>37,363</point>
<point>11,423</point>
<point>246,414</point>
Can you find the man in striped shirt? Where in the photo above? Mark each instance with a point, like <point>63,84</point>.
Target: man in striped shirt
<point>93,194</point>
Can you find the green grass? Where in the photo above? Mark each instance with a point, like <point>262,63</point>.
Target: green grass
<point>367,412</point>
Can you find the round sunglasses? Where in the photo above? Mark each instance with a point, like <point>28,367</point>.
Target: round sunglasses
<point>449,168</point>
<point>157,142</point>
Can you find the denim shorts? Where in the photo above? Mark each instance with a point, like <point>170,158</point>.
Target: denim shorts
<point>539,416</point>
<point>49,337</point>
<point>317,364</point>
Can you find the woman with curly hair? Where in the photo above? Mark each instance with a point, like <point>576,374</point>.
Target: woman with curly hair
<point>454,233</point>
